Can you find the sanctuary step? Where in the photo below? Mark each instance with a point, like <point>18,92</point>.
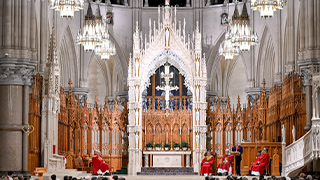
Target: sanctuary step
<point>123,170</point>
<point>166,171</point>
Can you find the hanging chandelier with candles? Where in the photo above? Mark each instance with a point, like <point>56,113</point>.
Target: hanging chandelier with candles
<point>267,7</point>
<point>92,30</point>
<point>106,48</point>
<point>227,49</point>
<point>67,7</point>
<point>242,34</point>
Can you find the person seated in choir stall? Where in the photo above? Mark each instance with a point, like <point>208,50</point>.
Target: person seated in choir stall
<point>206,164</point>
<point>226,167</point>
<point>259,166</point>
<point>98,165</point>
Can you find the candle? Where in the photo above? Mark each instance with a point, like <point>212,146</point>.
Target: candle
<point>154,129</point>
<point>175,11</point>
<point>171,130</point>
<point>188,131</point>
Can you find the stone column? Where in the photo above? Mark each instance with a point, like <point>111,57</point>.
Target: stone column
<point>17,62</point>
<point>307,82</point>
<point>188,160</point>
<point>146,160</point>
<point>146,3</point>
<point>25,120</point>
<point>14,100</point>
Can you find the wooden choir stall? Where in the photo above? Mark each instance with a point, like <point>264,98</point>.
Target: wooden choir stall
<point>258,123</point>
<point>83,129</point>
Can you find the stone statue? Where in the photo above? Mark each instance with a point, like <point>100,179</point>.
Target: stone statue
<point>283,133</point>
<point>137,117</point>
<point>197,68</point>
<point>137,67</point>
<point>137,141</point>
<point>167,37</point>
<point>197,93</point>
<point>197,141</point>
<point>197,116</point>
<point>137,93</point>
<point>293,133</point>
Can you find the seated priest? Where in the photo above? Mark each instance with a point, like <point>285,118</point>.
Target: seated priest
<point>225,168</point>
<point>98,165</point>
<point>259,166</point>
<point>206,164</point>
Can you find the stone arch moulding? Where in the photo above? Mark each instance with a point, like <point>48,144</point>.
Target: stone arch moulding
<point>159,60</point>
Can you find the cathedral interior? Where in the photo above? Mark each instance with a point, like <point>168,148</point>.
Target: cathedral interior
<point>142,79</point>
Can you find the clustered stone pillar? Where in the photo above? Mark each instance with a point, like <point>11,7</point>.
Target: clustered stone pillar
<point>17,63</point>
<point>309,57</point>
<point>307,82</point>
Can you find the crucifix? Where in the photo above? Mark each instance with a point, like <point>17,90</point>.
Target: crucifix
<point>167,3</point>
<point>167,88</point>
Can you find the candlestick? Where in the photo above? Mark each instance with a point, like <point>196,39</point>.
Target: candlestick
<point>180,134</point>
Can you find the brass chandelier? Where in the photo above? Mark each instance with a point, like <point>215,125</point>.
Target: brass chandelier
<point>242,34</point>
<point>92,30</point>
<point>66,7</point>
<point>267,7</point>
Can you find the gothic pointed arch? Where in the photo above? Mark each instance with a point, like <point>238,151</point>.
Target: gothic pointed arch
<point>213,62</point>
<point>266,59</point>
<point>68,59</point>
<point>99,80</point>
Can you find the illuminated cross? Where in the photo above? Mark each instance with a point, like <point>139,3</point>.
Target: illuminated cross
<point>167,88</point>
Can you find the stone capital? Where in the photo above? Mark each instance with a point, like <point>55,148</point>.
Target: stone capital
<point>306,76</point>
<point>16,71</point>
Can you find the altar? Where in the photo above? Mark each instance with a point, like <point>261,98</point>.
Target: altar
<point>167,158</point>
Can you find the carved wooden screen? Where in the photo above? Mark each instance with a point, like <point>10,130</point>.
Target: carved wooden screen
<point>292,109</point>
<point>83,129</point>
<point>175,128</point>
<point>260,120</point>
<point>34,144</point>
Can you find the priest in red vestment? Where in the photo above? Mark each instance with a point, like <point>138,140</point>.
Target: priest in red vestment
<point>206,164</point>
<point>258,167</point>
<point>226,167</point>
<point>98,165</point>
